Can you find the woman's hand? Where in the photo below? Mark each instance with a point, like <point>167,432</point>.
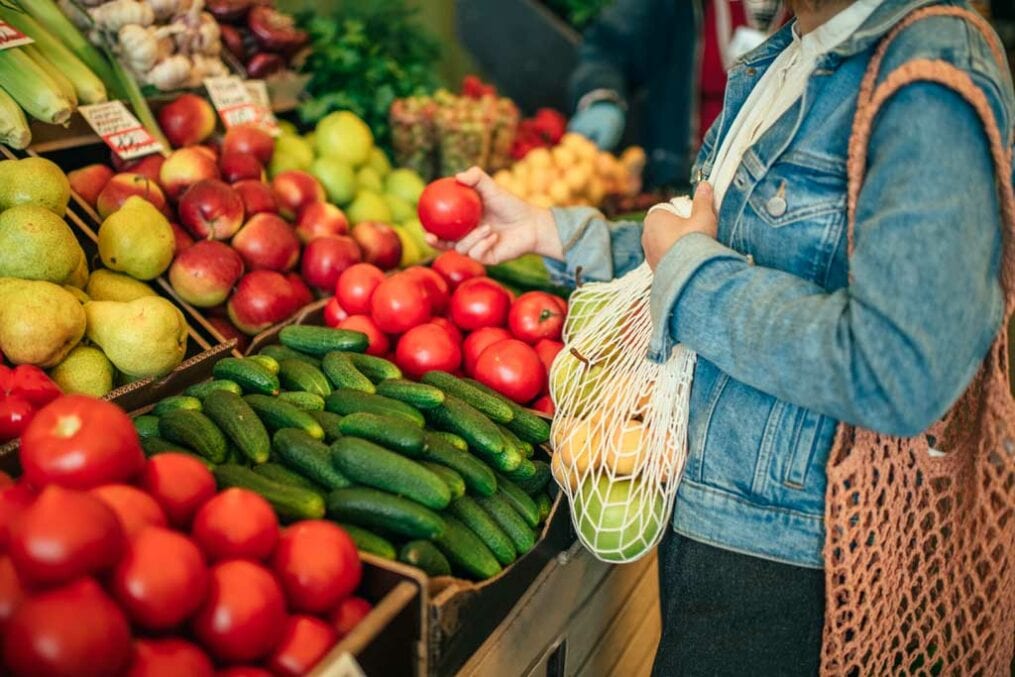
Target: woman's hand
<point>663,228</point>
<point>509,228</point>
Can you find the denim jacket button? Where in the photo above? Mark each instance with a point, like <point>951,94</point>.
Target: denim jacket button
<point>776,206</point>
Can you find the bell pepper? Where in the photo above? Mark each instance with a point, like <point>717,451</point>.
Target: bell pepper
<point>23,390</point>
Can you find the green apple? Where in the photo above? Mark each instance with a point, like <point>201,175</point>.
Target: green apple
<point>379,162</point>
<point>291,152</point>
<point>401,211</point>
<point>368,178</point>
<point>619,519</point>
<point>337,177</point>
<point>344,136</point>
<point>404,183</point>
<point>368,206</point>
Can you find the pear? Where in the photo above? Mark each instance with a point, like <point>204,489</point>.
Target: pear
<point>35,181</point>
<point>143,337</point>
<point>36,244</point>
<point>40,322</point>
<point>85,371</point>
<point>77,293</point>
<point>105,285</point>
<point>79,278</point>
<point>137,240</point>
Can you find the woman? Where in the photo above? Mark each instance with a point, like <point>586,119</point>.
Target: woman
<point>793,332</point>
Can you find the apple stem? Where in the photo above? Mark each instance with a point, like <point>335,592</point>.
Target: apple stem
<point>584,360</point>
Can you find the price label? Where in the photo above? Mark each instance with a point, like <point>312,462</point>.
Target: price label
<point>232,99</point>
<point>258,91</point>
<point>120,129</point>
<point>12,37</point>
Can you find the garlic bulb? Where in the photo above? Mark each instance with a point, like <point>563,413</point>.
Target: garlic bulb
<point>138,47</point>
<point>173,72</point>
<point>114,15</point>
<point>200,35</point>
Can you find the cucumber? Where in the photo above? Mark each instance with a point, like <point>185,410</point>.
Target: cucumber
<point>290,502</point>
<point>329,423</point>
<point>240,424</point>
<point>276,414</point>
<point>266,361</point>
<point>342,374</point>
<point>234,455</point>
<point>524,471</point>
<point>424,555</point>
<point>303,400</point>
<point>146,426</point>
<point>176,402</point>
<point>478,477</point>
<point>196,431</point>
<point>248,374</point>
<point>321,340</point>
<point>480,523</point>
<point>156,445</point>
<point>454,481</point>
<point>201,390</point>
<point>276,472</point>
<point>419,395</point>
<point>309,457</point>
<point>521,446</point>
<point>368,541</point>
<point>366,463</point>
<point>545,504</point>
<point>375,368</point>
<point>535,484</point>
<point>521,502</point>
<point>466,551</point>
<point>523,538</point>
<point>465,421</point>
<point>345,401</point>
<point>505,462</point>
<point>371,508</point>
<point>296,375</point>
<point>525,424</point>
<point>452,439</point>
<point>493,407</point>
<point>391,432</point>
<point>279,353</point>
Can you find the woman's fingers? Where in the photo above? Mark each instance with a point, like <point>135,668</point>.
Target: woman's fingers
<point>483,248</point>
<point>470,240</point>
<point>475,177</point>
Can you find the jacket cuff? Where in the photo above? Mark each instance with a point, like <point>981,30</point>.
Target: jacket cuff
<point>585,234</point>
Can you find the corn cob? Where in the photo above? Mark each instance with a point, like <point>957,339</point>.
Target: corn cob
<point>14,130</point>
<point>32,88</point>
<point>59,79</point>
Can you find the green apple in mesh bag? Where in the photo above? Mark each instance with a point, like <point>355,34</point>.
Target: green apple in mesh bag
<point>619,518</point>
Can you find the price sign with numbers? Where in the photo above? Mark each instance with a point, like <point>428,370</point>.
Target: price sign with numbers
<point>232,100</point>
<point>120,129</point>
<point>258,91</point>
<point>12,37</point>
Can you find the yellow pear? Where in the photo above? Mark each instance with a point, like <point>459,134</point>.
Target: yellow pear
<point>40,322</point>
<point>143,337</point>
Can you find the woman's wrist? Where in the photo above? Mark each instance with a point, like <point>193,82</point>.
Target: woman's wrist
<point>547,241</point>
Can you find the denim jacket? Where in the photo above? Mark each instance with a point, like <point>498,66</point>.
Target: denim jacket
<point>792,336</point>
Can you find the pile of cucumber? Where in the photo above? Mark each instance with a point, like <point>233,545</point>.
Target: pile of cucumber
<point>441,474</point>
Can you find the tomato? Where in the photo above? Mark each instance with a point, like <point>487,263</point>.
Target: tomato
<point>134,508</point>
<point>356,286</point>
<point>536,315</point>
<point>478,341</point>
<point>5,480</point>
<point>161,579</point>
<point>70,631</point>
<point>180,484</point>
<point>447,325</point>
<point>449,209</point>
<point>169,657</point>
<point>13,501</point>
<point>378,341</point>
<point>349,613</point>
<point>63,535</point>
<point>33,385</point>
<point>12,593</point>
<point>544,405</point>
<point>547,351</point>
<point>317,564</point>
<point>436,287</point>
<point>457,268</point>
<point>243,671</point>
<point>243,615</point>
<point>334,313</point>
<point>305,641</point>
<point>428,347</point>
<point>15,415</point>
<point>80,442</point>
<point>513,369</point>
<point>398,304</point>
<point>479,302</point>
<point>236,524</point>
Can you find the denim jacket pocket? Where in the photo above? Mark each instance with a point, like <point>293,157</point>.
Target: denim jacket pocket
<point>789,469</point>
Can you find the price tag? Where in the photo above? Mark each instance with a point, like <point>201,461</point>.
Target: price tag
<point>232,100</point>
<point>12,37</point>
<point>120,129</point>
<point>258,92</point>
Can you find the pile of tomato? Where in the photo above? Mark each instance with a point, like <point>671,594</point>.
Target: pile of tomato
<point>113,564</point>
<point>452,317</point>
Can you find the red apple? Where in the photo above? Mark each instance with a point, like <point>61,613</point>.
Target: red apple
<point>262,298</point>
<point>123,186</point>
<point>209,150</point>
<point>236,167</point>
<point>318,219</point>
<point>211,209</point>
<point>187,120</point>
<point>294,190</point>
<point>185,167</point>
<point>380,244</point>
<point>205,273</point>
<point>266,242</point>
<point>249,140</point>
<point>183,239</point>
<point>89,181</point>
<point>257,197</point>
<point>301,292</point>
<point>149,165</point>
<point>227,330</point>
<point>325,258</point>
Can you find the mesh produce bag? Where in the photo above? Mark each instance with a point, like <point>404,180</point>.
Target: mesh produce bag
<point>619,433</point>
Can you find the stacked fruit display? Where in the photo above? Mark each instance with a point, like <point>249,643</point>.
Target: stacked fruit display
<point>115,564</point>
<point>261,38</point>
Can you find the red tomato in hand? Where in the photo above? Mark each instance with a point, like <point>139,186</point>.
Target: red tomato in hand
<point>169,657</point>
<point>447,325</point>
<point>63,535</point>
<point>134,508</point>
<point>457,268</point>
<point>536,315</point>
<point>161,580</point>
<point>480,302</point>
<point>305,642</point>
<point>348,614</point>
<point>544,405</point>
<point>12,593</point>
<point>449,209</point>
<point>547,351</point>
<point>180,484</point>
<point>513,369</point>
<point>436,287</point>
<point>243,615</point>
<point>236,524</point>
<point>398,304</point>
<point>356,286</point>
<point>334,313</point>
<point>378,341</point>
<point>80,442</point>
<point>478,341</point>
<point>71,631</point>
<point>317,564</point>
<point>428,347</point>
